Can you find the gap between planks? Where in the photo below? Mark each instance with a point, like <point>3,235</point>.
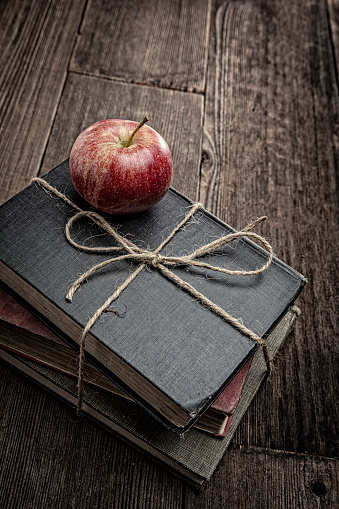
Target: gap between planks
<point>268,450</point>
<point>132,82</point>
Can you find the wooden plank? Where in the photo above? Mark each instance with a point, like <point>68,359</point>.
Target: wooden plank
<point>149,41</point>
<point>86,100</point>
<point>269,147</point>
<point>333,13</point>
<point>271,126</point>
<point>250,477</point>
<point>49,458</point>
<point>36,40</point>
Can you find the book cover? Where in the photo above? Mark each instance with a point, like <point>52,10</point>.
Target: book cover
<point>170,352</point>
<point>193,457</point>
<point>22,333</point>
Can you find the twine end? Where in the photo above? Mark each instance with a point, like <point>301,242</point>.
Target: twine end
<point>69,296</point>
<point>267,358</point>
<point>255,223</point>
<point>78,414</point>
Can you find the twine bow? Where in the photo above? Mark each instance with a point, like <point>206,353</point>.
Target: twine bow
<point>160,262</point>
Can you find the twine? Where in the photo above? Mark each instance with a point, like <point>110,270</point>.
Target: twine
<point>160,262</point>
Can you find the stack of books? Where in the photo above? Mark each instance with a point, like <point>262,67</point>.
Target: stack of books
<point>162,367</point>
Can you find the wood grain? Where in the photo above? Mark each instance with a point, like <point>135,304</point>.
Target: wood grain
<point>177,116</point>
<point>259,478</point>
<point>265,112</point>
<point>333,14</point>
<point>149,41</point>
<point>36,40</point>
<point>55,460</point>
<point>271,127</point>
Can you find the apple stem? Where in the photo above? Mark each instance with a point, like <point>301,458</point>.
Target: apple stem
<point>129,141</point>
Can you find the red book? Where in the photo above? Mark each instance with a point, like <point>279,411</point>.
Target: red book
<point>24,334</point>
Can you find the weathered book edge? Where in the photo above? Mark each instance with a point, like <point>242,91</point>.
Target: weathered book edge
<point>194,457</point>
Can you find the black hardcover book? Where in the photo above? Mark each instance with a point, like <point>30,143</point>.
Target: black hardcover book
<point>162,345</point>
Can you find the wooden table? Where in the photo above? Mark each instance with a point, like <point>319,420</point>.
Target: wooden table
<point>246,94</point>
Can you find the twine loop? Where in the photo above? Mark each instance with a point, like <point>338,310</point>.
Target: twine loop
<point>145,258</point>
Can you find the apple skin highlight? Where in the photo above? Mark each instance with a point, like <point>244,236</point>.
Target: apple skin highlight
<point>117,179</point>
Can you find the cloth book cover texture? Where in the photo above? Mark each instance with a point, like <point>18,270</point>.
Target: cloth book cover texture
<point>167,339</point>
<point>195,456</point>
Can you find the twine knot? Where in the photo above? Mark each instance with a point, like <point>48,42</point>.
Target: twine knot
<point>153,259</point>
<point>160,262</point>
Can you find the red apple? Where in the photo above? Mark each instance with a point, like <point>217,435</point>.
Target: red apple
<point>121,167</point>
